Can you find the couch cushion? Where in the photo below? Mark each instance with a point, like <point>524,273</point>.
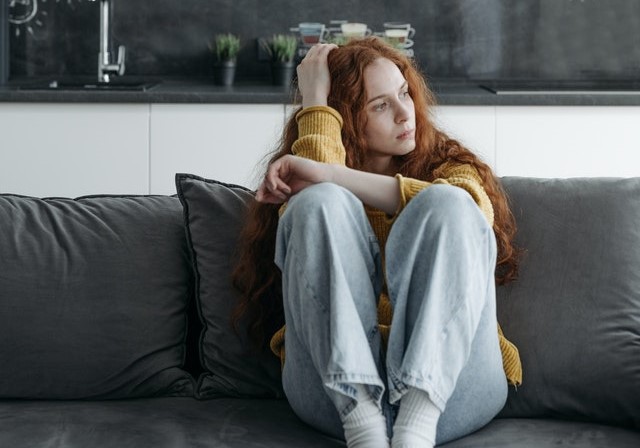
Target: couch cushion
<point>93,293</point>
<point>214,213</point>
<point>544,433</point>
<point>157,423</point>
<point>574,312</point>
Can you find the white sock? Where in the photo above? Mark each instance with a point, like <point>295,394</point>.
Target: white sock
<point>415,426</point>
<point>365,426</point>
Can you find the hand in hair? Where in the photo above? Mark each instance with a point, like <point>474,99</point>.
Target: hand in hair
<point>313,76</point>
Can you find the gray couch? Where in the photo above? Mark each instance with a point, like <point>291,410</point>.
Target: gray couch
<point>114,323</point>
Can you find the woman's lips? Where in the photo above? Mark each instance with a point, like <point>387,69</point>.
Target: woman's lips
<point>406,135</point>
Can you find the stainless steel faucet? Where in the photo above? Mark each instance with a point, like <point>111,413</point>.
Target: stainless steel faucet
<point>107,68</point>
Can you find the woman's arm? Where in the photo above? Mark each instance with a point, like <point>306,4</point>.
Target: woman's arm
<point>290,175</point>
<point>319,126</point>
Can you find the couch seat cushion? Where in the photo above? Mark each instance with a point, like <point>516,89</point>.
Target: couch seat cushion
<point>156,423</point>
<point>543,433</point>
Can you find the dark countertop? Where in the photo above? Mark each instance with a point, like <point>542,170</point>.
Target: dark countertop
<point>447,92</point>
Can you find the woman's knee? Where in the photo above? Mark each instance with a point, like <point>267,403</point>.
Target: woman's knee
<point>446,206</point>
<point>451,202</point>
<point>323,196</point>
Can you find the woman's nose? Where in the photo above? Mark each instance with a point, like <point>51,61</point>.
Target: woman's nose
<point>402,113</point>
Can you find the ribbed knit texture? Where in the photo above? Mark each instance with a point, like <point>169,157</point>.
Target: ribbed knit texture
<point>320,146</point>
<point>319,129</point>
<point>365,426</point>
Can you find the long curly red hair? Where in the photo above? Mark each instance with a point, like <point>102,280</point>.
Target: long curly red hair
<point>256,275</point>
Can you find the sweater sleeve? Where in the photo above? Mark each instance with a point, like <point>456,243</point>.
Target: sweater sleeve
<point>319,135</point>
<point>277,344</point>
<point>463,176</point>
<point>510,359</point>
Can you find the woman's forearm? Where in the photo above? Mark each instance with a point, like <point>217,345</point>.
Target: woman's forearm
<point>376,190</point>
<point>291,174</point>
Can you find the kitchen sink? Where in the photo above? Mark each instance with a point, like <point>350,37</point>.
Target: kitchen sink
<point>89,85</point>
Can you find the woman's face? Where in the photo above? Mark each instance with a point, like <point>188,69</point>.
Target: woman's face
<point>391,119</point>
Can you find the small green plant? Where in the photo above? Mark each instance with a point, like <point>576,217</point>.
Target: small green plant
<point>225,46</point>
<point>338,40</point>
<point>282,47</point>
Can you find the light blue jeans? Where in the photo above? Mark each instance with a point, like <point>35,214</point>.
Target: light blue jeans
<point>440,260</point>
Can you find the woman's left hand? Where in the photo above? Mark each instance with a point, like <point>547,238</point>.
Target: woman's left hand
<point>314,79</point>
<point>289,175</point>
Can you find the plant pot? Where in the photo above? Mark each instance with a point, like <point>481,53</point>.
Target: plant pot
<point>282,72</point>
<point>224,73</point>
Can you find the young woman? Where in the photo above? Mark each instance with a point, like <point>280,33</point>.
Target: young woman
<point>388,238</point>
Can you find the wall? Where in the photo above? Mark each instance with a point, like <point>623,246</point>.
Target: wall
<point>477,39</point>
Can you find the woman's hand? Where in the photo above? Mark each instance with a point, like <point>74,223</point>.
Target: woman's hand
<point>289,175</point>
<point>314,80</point>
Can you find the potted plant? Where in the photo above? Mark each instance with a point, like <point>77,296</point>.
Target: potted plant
<point>226,48</point>
<point>282,49</point>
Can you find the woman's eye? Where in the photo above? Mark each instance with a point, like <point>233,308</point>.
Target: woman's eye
<point>404,94</point>
<point>380,106</point>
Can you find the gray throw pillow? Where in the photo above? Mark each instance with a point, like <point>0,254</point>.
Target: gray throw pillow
<point>93,293</point>
<point>574,312</point>
<point>214,214</point>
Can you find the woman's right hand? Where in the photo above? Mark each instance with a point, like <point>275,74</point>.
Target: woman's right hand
<point>314,80</point>
<point>289,175</point>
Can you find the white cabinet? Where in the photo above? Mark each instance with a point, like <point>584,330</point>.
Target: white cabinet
<point>225,142</point>
<point>568,141</point>
<point>472,126</point>
<point>71,150</point>
<point>62,149</point>
<point>549,141</point>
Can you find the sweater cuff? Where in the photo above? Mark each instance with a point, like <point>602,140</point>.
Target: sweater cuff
<point>311,119</point>
<point>409,188</point>
<point>319,135</point>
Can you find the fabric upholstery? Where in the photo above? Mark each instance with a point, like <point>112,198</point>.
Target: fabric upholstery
<point>92,297</point>
<point>157,423</point>
<point>214,213</point>
<point>545,433</point>
<point>574,312</point>
<point>246,423</point>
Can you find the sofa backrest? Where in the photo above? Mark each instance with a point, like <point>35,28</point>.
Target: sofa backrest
<point>93,293</point>
<point>574,312</point>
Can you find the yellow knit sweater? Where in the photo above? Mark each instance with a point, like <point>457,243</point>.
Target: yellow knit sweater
<point>320,139</point>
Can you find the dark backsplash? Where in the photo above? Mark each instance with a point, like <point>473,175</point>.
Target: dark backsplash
<point>455,39</point>
<point>4,41</point>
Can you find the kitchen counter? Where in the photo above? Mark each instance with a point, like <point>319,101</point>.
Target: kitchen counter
<point>447,92</point>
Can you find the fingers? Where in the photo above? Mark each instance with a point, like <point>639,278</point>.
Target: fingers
<point>266,195</point>
<point>320,51</point>
<point>289,175</point>
<point>314,79</point>
<point>274,188</point>
<point>274,179</point>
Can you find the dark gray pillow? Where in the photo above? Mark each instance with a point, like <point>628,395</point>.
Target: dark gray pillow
<point>574,313</point>
<point>92,297</point>
<point>214,213</point>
